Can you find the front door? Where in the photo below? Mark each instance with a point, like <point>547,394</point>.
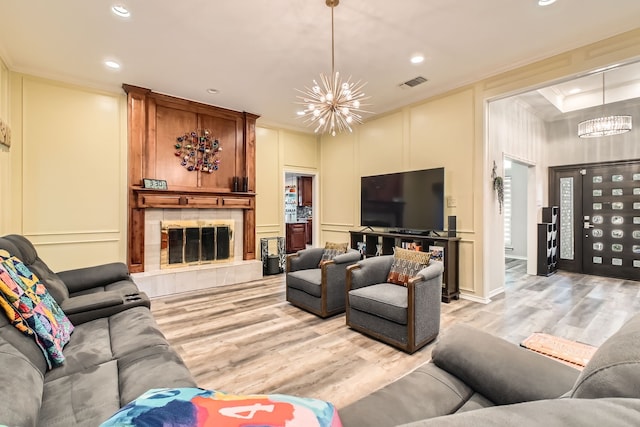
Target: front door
<point>599,229</point>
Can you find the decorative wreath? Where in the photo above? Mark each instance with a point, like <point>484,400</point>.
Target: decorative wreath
<point>198,151</point>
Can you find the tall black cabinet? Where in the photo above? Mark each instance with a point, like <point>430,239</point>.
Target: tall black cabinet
<point>548,241</point>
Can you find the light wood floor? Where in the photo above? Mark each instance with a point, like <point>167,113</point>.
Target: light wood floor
<point>246,338</point>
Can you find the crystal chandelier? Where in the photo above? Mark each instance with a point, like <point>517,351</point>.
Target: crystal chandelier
<point>333,104</point>
<point>604,126</point>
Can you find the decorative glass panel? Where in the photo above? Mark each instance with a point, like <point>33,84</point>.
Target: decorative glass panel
<point>636,249</point>
<point>617,178</point>
<point>597,179</point>
<point>597,260</point>
<point>617,234</point>
<point>617,220</point>
<point>598,219</point>
<point>566,218</point>
<point>598,246</point>
<point>636,219</point>
<point>617,192</point>
<point>597,193</point>
<point>596,232</point>
<point>636,191</point>
<point>636,234</point>
<point>636,263</point>
<point>636,176</point>
<point>617,247</point>
<point>597,206</point>
<point>616,261</point>
<point>618,206</point>
<point>636,205</point>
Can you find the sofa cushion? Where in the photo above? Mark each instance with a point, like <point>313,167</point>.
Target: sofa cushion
<point>85,398</point>
<point>193,407</point>
<point>132,330</point>
<point>406,264</point>
<point>22,386</point>
<point>383,300</point>
<point>614,369</point>
<point>306,280</point>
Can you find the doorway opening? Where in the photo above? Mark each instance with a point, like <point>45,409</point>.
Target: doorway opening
<point>300,210</point>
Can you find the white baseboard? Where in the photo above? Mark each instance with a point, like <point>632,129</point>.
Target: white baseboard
<point>524,258</point>
<point>496,292</point>
<point>475,298</point>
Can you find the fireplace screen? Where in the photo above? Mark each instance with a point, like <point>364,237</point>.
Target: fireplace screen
<point>195,242</point>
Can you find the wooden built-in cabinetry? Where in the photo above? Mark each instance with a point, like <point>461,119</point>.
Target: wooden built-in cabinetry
<point>296,236</point>
<point>305,191</point>
<point>383,244</point>
<point>154,123</point>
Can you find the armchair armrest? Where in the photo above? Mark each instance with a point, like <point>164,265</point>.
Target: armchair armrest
<point>499,370</point>
<point>90,302</point>
<point>432,271</point>
<point>304,259</point>
<point>350,256</point>
<point>369,272</point>
<point>90,277</point>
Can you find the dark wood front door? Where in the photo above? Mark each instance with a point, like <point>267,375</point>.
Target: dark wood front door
<point>599,229</point>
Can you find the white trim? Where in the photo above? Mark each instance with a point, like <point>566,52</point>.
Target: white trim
<point>475,298</point>
<point>496,292</point>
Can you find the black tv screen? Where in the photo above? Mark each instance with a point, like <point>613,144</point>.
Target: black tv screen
<point>406,200</point>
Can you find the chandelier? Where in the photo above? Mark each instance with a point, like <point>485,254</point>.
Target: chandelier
<point>333,104</point>
<point>604,126</point>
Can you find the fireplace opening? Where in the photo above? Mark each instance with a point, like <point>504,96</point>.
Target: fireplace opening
<point>195,242</point>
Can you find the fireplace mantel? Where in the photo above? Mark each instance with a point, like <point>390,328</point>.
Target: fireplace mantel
<point>145,198</point>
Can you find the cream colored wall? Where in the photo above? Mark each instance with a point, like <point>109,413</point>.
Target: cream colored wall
<point>277,151</point>
<point>5,163</point>
<point>68,165</point>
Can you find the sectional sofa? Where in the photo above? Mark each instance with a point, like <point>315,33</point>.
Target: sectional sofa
<point>115,353</point>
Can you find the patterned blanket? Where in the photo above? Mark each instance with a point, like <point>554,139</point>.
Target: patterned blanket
<point>32,310</point>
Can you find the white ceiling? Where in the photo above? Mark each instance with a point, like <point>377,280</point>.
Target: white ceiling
<point>256,52</point>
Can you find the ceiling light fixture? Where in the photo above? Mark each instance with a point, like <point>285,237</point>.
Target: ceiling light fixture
<point>417,59</point>
<point>112,64</point>
<point>604,126</point>
<point>545,2</point>
<point>121,11</point>
<point>213,91</point>
<point>334,105</point>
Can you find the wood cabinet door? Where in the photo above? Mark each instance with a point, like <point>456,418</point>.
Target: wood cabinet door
<point>305,191</point>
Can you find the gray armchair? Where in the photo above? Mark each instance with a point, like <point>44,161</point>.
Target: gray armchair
<point>406,317</point>
<point>319,290</point>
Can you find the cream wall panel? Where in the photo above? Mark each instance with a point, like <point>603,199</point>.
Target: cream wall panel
<point>338,183</point>
<point>466,257</point>
<point>300,150</point>
<point>5,160</point>
<point>61,256</point>
<point>268,178</point>
<point>435,142</point>
<point>381,145</point>
<point>71,159</point>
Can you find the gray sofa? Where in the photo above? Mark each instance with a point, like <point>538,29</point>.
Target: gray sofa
<point>475,379</point>
<point>115,353</point>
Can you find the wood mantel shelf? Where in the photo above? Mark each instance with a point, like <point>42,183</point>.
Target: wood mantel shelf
<point>145,198</point>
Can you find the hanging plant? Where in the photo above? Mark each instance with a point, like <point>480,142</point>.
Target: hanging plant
<point>498,186</point>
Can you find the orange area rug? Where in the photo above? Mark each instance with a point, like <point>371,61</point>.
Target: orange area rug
<point>572,353</point>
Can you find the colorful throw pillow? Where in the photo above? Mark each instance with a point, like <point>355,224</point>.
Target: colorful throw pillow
<point>406,264</point>
<point>196,407</point>
<point>32,310</point>
<point>331,250</point>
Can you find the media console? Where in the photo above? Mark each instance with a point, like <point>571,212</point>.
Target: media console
<point>372,243</point>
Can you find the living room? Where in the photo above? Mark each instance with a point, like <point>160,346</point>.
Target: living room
<point>68,189</point>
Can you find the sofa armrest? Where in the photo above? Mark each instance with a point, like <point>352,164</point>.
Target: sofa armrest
<point>501,371</point>
<point>89,302</point>
<point>304,259</point>
<point>615,412</point>
<point>369,271</point>
<point>91,277</point>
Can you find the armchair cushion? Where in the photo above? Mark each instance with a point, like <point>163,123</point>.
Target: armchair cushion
<point>383,300</point>
<point>308,281</point>
<point>406,264</point>
<point>331,250</point>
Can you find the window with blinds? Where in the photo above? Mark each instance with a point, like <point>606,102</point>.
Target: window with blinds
<point>506,209</point>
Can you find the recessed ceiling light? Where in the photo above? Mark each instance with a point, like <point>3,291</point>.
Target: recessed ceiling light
<point>300,113</point>
<point>213,91</point>
<point>121,11</point>
<point>545,2</point>
<point>417,59</point>
<point>112,64</point>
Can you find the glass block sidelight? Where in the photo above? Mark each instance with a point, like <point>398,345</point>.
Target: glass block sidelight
<point>617,192</point>
<point>617,178</point>
<point>616,261</point>
<point>567,249</point>
<point>597,179</point>
<point>597,193</point>
<point>597,260</point>
<point>617,220</point>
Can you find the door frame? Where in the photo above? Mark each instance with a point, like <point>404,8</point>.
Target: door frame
<point>315,209</point>
<point>554,200</point>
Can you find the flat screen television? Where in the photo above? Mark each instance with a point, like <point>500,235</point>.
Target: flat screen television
<point>408,201</point>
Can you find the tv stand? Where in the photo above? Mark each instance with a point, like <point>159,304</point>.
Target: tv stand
<point>387,241</point>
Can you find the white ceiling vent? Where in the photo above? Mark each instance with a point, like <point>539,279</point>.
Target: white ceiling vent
<point>413,82</point>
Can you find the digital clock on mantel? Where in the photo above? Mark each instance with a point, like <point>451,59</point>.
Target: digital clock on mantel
<point>154,184</point>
